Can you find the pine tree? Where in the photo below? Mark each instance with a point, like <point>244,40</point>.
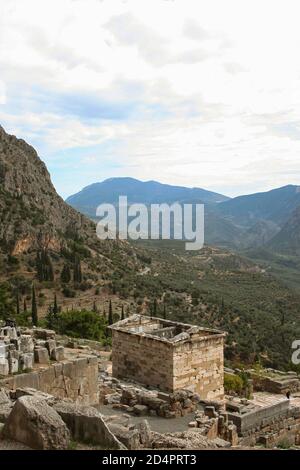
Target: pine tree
<point>122,313</point>
<point>34,313</point>
<point>110,314</point>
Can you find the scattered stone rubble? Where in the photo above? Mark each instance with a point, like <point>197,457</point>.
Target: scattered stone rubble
<point>22,348</point>
<point>140,401</point>
<point>213,423</point>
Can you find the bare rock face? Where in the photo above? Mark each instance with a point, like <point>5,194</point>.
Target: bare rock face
<point>37,425</point>
<point>87,425</point>
<point>186,440</point>
<point>32,213</point>
<point>5,405</point>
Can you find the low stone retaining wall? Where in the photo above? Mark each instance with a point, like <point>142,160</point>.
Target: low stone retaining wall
<point>260,417</point>
<point>272,385</point>
<point>281,430</point>
<point>76,379</point>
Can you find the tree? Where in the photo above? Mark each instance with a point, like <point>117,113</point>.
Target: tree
<point>55,306</point>
<point>82,324</point>
<point>77,274</point>
<point>24,306</point>
<point>165,312</point>
<point>122,313</point>
<point>95,306</point>
<point>34,313</point>
<point>39,267</point>
<point>50,317</point>
<point>18,303</point>
<point>110,314</point>
<point>65,276</point>
<point>154,313</point>
<point>6,304</point>
<point>44,266</point>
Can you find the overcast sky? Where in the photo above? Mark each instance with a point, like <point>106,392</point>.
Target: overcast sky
<point>197,93</point>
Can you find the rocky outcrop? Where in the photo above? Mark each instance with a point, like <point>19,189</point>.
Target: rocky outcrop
<point>37,425</point>
<point>87,425</point>
<point>189,440</point>
<point>32,214</point>
<point>5,405</point>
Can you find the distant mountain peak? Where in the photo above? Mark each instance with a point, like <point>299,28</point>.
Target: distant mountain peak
<point>147,192</point>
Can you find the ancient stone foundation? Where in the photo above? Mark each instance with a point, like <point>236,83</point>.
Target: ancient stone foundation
<point>33,358</point>
<point>168,355</point>
<point>76,379</point>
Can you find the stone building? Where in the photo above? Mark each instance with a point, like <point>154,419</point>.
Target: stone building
<point>169,355</point>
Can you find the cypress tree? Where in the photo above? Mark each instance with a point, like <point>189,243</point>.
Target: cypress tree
<point>44,266</point>
<point>50,317</point>
<point>50,271</point>
<point>39,267</point>
<point>155,308</point>
<point>110,314</point>
<point>55,306</point>
<point>18,302</point>
<point>77,275</point>
<point>34,313</point>
<point>79,271</point>
<point>165,313</point>
<point>65,274</point>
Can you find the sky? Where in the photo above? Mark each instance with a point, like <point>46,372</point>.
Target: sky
<point>187,92</point>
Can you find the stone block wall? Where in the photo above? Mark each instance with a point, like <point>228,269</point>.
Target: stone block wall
<point>260,417</point>
<point>199,366</point>
<point>195,364</point>
<point>269,384</point>
<point>142,359</point>
<point>76,379</point>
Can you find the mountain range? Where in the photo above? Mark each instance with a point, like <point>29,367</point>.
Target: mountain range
<point>46,243</point>
<point>268,219</point>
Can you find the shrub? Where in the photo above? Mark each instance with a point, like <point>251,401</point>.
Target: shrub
<point>233,384</point>
<point>81,324</point>
<point>68,292</point>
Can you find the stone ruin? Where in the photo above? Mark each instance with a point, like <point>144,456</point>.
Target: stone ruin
<point>22,348</point>
<point>169,355</point>
<point>57,380</point>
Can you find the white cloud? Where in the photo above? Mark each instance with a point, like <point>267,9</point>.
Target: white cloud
<point>195,93</point>
<point>2,93</point>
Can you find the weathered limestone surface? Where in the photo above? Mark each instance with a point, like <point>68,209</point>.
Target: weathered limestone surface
<point>36,424</point>
<point>198,365</point>
<point>169,356</point>
<point>143,359</point>
<point>86,425</point>
<point>76,379</point>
